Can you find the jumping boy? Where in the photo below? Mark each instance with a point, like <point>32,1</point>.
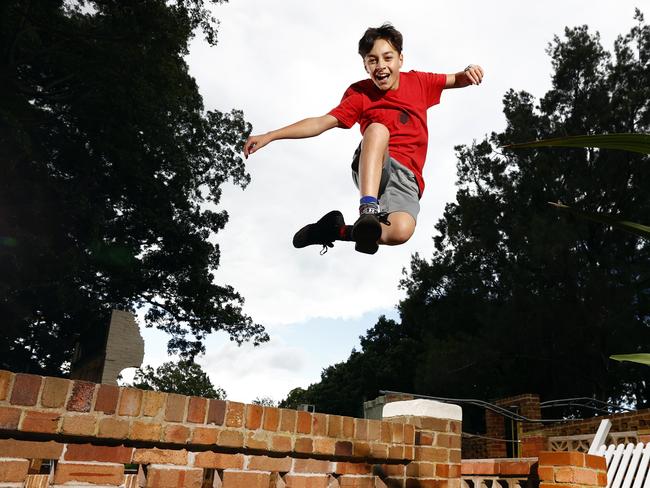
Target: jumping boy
<point>387,166</point>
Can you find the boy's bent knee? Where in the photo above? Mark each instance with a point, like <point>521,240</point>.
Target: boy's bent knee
<point>376,131</point>
<point>400,230</point>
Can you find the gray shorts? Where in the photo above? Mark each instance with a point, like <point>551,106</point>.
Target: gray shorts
<point>398,188</point>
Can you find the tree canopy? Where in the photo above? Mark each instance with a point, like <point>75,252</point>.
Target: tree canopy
<point>110,178</point>
<point>182,377</point>
<point>517,297</point>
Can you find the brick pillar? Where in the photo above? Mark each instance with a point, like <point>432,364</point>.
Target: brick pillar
<point>532,446</point>
<point>437,430</point>
<point>571,469</point>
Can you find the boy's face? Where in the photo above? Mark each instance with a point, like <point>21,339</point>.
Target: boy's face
<point>383,63</point>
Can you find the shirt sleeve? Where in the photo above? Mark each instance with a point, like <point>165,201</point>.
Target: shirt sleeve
<point>349,110</point>
<point>434,83</point>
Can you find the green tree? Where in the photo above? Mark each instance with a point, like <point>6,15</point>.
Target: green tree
<point>183,377</point>
<point>110,178</point>
<point>516,297</point>
<point>265,401</point>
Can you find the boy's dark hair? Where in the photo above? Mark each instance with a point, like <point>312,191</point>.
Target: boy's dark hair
<point>386,32</point>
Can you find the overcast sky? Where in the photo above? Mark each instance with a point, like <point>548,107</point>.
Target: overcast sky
<point>284,60</point>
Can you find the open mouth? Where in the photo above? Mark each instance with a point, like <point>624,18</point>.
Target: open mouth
<point>382,76</point>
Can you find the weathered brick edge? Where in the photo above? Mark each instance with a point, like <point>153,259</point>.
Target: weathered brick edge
<point>58,408</point>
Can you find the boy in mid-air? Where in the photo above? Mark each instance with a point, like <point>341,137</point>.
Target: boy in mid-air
<point>391,108</point>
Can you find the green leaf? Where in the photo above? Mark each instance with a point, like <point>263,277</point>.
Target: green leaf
<point>628,142</point>
<point>642,358</point>
<point>633,227</point>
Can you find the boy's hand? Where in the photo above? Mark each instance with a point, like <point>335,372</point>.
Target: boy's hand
<point>474,73</point>
<point>253,143</point>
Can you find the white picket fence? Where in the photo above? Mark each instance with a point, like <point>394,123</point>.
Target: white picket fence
<point>627,464</point>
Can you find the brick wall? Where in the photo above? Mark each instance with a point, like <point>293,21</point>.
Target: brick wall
<point>92,431</point>
<point>571,470</point>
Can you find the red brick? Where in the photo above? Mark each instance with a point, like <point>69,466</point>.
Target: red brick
<point>44,422</point>
<point>298,481</point>
<point>281,443</point>
<point>12,448</point>
<point>595,462</point>
<point>515,468</point>
<point>176,434</point>
<point>546,473</point>
<point>409,434</point>
<point>257,440</point>
<point>319,424</point>
<point>361,429</point>
<point>107,396</point>
<point>288,420</point>
<point>13,470</point>
<point>266,463</point>
<point>153,402</point>
<point>175,409</point>
<point>374,430</point>
<point>271,419</point>
<point>83,425</point>
<point>396,452</point>
<point>160,456</point>
<point>378,450</point>
<point>231,438</point>
<point>424,470</point>
<point>312,466</point>
<point>346,481</point>
<point>9,418</point>
<point>113,428</point>
<point>99,474</point>
<point>205,435</point>
<point>304,445</point>
<point>245,479</point>
<point>196,410</point>
<point>353,468</point>
<point>143,431</point>
<point>393,470</point>
<point>102,454</point>
<point>343,448</point>
<point>55,391</point>
<point>585,476</point>
<point>303,423</point>
<point>130,402</point>
<point>347,430</point>
<point>160,476</point>
<point>234,414</point>
<point>215,460</point>
<point>384,435</point>
<point>324,445</point>
<point>216,412</point>
<point>25,390</point>
<point>254,416</point>
<point>334,426</point>
<point>361,449</point>
<point>572,458</point>
<point>82,396</point>
<point>6,378</point>
<point>397,432</point>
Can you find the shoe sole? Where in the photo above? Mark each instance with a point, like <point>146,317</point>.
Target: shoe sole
<point>366,234</point>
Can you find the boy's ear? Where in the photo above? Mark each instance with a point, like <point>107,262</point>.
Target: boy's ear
<point>401,60</point>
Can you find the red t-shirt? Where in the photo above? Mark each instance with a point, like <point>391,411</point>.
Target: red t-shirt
<point>402,111</point>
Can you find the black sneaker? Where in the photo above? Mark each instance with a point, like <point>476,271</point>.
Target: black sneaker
<point>323,232</point>
<point>366,232</point>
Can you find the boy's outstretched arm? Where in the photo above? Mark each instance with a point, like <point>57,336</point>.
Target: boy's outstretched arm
<point>310,127</point>
<point>472,75</point>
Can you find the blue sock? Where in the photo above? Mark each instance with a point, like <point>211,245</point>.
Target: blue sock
<point>368,199</point>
